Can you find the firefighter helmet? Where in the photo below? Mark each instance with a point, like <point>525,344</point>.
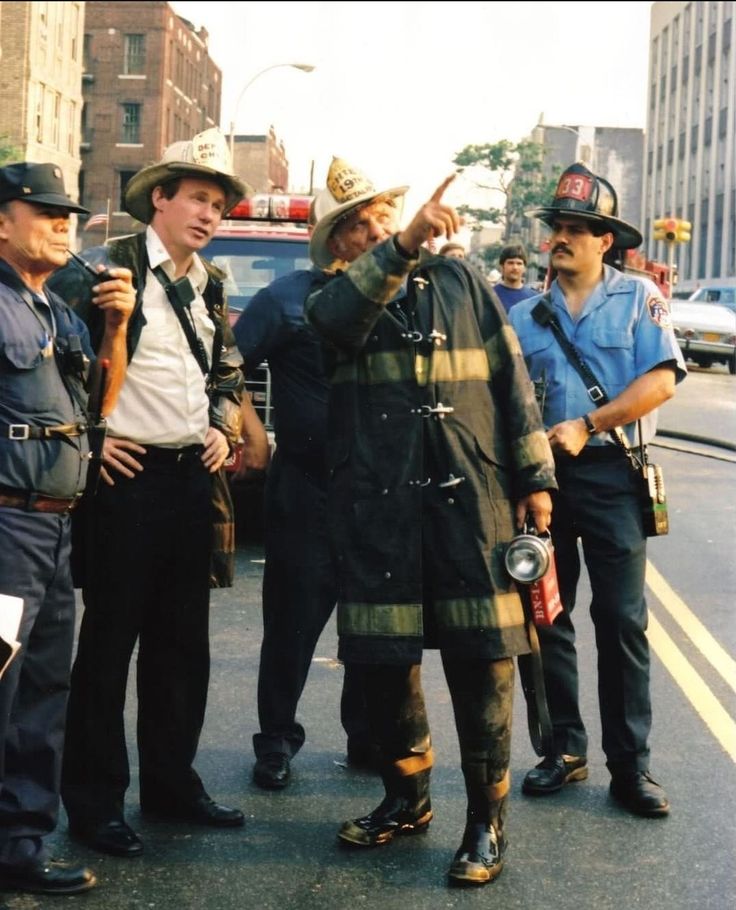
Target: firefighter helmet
<point>585,195</point>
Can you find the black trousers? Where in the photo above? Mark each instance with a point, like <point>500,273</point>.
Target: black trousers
<point>299,595</point>
<point>147,582</point>
<point>597,503</point>
<point>34,565</point>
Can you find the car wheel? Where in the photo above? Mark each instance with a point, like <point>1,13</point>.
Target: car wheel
<point>732,365</point>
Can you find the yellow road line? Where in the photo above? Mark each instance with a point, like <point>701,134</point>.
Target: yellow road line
<point>719,659</point>
<point>700,696</point>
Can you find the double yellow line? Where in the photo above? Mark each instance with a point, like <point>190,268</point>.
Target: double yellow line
<point>716,717</point>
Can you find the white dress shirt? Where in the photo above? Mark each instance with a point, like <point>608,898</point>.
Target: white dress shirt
<point>163,400</point>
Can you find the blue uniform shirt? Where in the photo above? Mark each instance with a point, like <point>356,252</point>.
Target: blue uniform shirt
<point>33,392</point>
<point>272,326</point>
<point>623,331</point>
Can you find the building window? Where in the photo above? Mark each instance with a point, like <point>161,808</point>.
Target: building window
<point>74,48</point>
<point>135,55</point>
<point>87,52</point>
<point>125,176</point>
<point>39,112</point>
<point>55,121</point>
<point>131,132</point>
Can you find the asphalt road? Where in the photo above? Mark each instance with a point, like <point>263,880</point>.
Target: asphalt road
<point>575,848</point>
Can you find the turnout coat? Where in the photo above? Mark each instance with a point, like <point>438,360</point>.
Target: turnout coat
<point>434,432</point>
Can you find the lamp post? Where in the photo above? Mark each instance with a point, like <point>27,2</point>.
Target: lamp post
<point>304,67</point>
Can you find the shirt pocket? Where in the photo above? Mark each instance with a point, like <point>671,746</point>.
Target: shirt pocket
<point>29,379</point>
<point>612,338</point>
<point>536,342</point>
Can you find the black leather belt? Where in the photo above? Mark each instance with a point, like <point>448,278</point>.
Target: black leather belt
<point>36,502</point>
<point>23,431</point>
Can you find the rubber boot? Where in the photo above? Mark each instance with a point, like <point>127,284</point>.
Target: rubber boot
<point>479,858</point>
<point>405,809</point>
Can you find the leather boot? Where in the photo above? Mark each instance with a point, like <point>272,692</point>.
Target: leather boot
<point>405,810</point>
<point>479,858</point>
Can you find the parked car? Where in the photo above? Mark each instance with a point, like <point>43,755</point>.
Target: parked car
<point>722,295</point>
<point>706,332</point>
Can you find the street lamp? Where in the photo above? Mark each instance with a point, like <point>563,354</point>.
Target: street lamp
<point>304,67</point>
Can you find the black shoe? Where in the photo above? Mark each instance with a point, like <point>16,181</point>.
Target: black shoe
<point>393,818</point>
<point>551,774</point>
<point>113,837</point>
<point>638,792</point>
<point>272,771</point>
<point>47,877</point>
<point>202,810</point>
<point>480,857</point>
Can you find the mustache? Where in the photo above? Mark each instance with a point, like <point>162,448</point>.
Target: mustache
<point>561,248</point>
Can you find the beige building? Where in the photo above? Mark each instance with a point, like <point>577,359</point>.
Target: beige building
<point>41,83</point>
<point>690,153</point>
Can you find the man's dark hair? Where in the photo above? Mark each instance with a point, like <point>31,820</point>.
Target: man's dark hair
<point>513,251</point>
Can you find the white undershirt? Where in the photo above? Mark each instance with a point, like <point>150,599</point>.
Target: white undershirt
<point>163,400</point>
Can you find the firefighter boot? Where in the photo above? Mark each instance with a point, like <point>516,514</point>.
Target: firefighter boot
<point>405,809</point>
<point>480,856</point>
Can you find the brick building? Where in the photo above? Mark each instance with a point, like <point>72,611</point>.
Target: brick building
<point>261,161</point>
<point>41,84</point>
<point>148,81</point>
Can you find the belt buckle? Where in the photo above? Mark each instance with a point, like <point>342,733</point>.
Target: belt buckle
<point>19,431</point>
<point>595,392</point>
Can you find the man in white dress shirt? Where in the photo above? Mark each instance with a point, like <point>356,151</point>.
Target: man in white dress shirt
<point>149,531</point>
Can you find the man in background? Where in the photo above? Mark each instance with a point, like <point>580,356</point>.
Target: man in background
<point>510,289</point>
<point>299,585</point>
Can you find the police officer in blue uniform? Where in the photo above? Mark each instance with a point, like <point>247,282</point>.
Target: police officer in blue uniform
<point>620,325</point>
<point>299,584</point>
<point>44,354</point>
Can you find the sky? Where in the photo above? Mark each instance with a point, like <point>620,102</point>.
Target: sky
<point>400,87</point>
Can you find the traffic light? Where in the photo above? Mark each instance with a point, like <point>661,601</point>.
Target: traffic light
<point>672,230</point>
<point>683,231</point>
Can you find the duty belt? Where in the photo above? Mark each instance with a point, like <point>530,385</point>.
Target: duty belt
<point>23,431</point>
<point>37,502</point>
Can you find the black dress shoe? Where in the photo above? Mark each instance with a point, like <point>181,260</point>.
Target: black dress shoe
<point>272,771</point>
<point>202,810</point>
<point>393,818</point>
<point>113,837</point>
<point>638,792</point>
<point>47,877</point>
<point>480,857</point>
<point>553,772</point>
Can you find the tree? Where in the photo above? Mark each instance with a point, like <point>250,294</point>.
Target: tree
<point>514,169</point>
<point>8,152</point>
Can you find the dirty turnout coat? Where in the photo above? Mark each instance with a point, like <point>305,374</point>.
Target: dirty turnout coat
<point>433,434</point>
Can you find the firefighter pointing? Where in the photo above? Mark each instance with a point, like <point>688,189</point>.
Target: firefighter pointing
<point>435,441</point>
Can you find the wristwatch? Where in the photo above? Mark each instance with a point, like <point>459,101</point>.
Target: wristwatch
<point>589,425</point>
